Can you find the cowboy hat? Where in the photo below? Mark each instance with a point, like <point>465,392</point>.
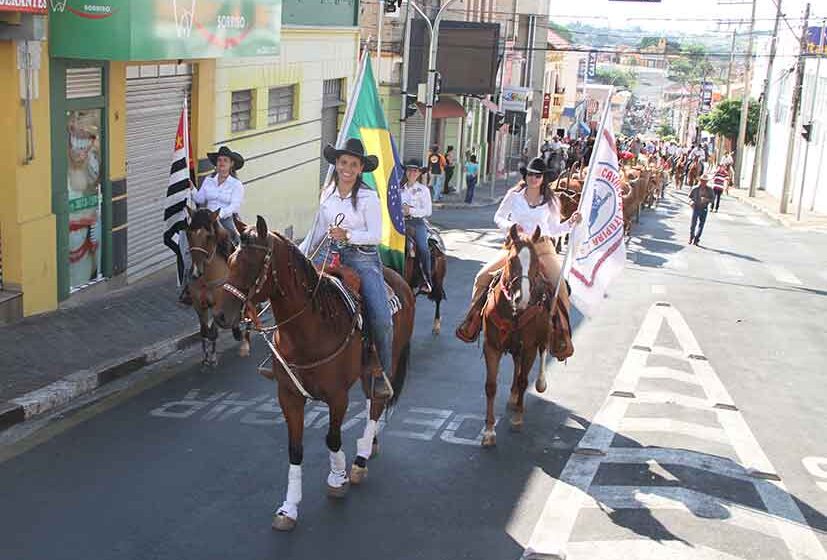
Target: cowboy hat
<point>536,165</point>
<point>705,177</point>
<point>227,152</point>
<point>353,147</point>
<point>414,163</point>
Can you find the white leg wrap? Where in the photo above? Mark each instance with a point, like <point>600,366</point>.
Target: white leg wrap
<point>338,475</point>
<point>365,443</point>
<point>290,507</point>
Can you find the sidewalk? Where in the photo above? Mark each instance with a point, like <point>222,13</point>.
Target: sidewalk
<point>768,204</point>
<point>49,359</point>
<point>482,194</point>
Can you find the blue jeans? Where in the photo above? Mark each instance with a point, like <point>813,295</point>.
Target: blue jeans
<point>421,237</point>
<point>471,185</point>
<point>368,266</point>
<point>229,225</point>
<point>437,182</point>
<point>699,219</point>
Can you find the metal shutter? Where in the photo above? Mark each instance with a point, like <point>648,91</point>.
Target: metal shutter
<point>154,98</point>
<point>414,136</point>
<point>331,101</point>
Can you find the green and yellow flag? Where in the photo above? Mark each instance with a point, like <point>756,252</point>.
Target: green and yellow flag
<point>366,120</point>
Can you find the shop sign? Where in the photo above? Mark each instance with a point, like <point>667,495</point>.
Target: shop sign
<point>514,98</point>
<point>546,104</point>
<point>816,42</point>
<point>28,6</point>
<point>164,29</point>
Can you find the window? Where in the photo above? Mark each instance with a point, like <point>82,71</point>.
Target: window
<point>280,104</point>
<point>242,111</point>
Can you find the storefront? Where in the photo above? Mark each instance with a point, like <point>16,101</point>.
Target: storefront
<point>120,73</point>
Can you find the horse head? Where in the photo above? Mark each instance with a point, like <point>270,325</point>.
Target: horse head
<point>522,272</point>
<point>206,238</point>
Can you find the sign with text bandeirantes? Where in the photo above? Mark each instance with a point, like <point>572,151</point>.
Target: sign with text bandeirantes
<point>27,6</point>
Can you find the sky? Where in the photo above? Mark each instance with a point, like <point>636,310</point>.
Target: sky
<point>684,15</point>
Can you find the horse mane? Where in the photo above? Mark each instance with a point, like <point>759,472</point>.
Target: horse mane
<point>202,218</point>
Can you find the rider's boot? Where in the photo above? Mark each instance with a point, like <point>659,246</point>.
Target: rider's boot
<point>470,328</point>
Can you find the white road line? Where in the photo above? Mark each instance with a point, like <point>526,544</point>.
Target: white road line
<point>658,289</point>
<point>644,549</point>
<point>551,535</point>
<point>757,221</point>
<point>669,373</point>
<point>675,261</point>
<point>662,397</point>
<point>724,217</point>
<point>684,499</point>
<point>670,426</point>
<point>727,265</point>
<point>783,275</point>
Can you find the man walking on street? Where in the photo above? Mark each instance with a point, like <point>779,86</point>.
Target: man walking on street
<point>701,196</point>
<point>436,172</point>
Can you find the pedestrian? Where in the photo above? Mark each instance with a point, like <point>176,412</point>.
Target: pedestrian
<point>450,163</point>
<point>416,206</point>
<point>531,203</point>
<point>349,223</point>
<point>472,171</point>
<point>720,182</point>
<point>701,197</point>
<point>728,162</point>
<point>436,172</point>
<point>222,191</point>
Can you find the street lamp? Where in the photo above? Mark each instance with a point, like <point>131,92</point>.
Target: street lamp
<point>433,29</point>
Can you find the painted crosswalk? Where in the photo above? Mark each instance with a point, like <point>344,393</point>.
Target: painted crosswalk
<point>584,486</point>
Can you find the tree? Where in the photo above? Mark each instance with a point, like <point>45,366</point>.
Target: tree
<point>725,118</point>
<point>612,76</point>
<point>562,31</point>
<point>649,42</point>
<point>665,130</point>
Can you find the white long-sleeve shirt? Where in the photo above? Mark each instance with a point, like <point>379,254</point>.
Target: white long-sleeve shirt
<point>227,196</point>
<point>515,209</point>
<point>418,198</point>
<point>364,223</point>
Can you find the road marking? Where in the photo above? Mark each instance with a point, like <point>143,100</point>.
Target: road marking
<point>658,289</point>
<point>671,426</point>
<point>675,261</point>
<point>724,217</point>
<point>757,221</point>
<point>727,265</point>
<point>574,490</point>
<point>669,373</point>
<point>783,275</point>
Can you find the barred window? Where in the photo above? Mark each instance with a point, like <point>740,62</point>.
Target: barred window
<point>280,104</point>
<point>242,111</point>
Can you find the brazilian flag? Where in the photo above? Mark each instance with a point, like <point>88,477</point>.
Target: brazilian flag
<point>366,120</point>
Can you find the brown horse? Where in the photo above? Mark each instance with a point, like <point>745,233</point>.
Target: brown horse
<point>414,275</point>
<point>693,172</point>
<point>210,247</point>
<point>317,349</point>
<point>680,171</point>
<point>516,319</point>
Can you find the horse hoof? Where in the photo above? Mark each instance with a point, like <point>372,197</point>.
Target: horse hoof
<point>512,404</point>
<point>517,425</point>
<point>244,350</point>
<point>489,440</point>
<point>540,386</point>
<point>337,491</point>
<point>358,474</point>
<point>283,523</point>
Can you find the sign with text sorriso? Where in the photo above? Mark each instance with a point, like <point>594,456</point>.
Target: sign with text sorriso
<point>164,29</point>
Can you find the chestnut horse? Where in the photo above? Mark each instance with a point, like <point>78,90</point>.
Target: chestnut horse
<point>439,268</point>
<point>317,349</point>
<point>693,172</point>
<point>210,247</point>
<point>517,320</point>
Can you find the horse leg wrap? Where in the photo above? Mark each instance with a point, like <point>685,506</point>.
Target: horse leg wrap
<point>365,443</point>
<point>290,507</point>
<point>338,476</point>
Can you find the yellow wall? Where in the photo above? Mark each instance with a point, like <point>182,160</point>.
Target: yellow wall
<point>289,197</point>
<point>116,122</point>
<point>26,219</point>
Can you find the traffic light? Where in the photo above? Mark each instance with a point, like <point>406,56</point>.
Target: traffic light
<point>806,131</point>
<point>410,106</point>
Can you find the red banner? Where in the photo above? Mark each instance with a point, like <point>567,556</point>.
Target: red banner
<point>28,6</point>
<point>546,104</point>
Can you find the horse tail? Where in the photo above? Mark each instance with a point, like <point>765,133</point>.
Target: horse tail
<point>398,381</point>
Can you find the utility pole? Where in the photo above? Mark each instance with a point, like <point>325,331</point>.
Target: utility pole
<point>729,69</point>
<point>742,128</point>
<point>796,104</point>
<point>762,119</point>
<point>811,111</point>
<point>406,49</point>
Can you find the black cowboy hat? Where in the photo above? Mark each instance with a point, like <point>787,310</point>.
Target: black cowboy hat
<point>353,147</point>
<point>225,151</point>
<point>537,165</point>
<point>413,162</point>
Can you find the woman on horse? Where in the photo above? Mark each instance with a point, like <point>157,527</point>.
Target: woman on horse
<point>416,205</point>
<point>220,191</point>
<point>528,204</point>
<point>349,222</point>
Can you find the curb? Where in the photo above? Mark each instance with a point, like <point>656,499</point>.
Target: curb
<point>766,211</point>
<point>463,205</point>
<point>85,381</point>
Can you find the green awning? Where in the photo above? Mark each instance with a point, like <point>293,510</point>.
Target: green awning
<point>175,29</point>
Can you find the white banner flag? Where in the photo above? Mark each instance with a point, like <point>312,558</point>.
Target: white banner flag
<point>598,251</point>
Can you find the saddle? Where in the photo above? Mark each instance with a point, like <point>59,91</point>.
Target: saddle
<point>350,286</point>
<point>435,241</point>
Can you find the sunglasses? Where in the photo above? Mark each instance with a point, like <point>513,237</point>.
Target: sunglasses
<point>536,175</point>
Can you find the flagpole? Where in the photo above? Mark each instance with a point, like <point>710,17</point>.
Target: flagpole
<point>349,110</point>
<point>186,135</point>
<point>564,270</point>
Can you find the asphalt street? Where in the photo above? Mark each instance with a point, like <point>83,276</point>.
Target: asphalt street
<point>695,403</point>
